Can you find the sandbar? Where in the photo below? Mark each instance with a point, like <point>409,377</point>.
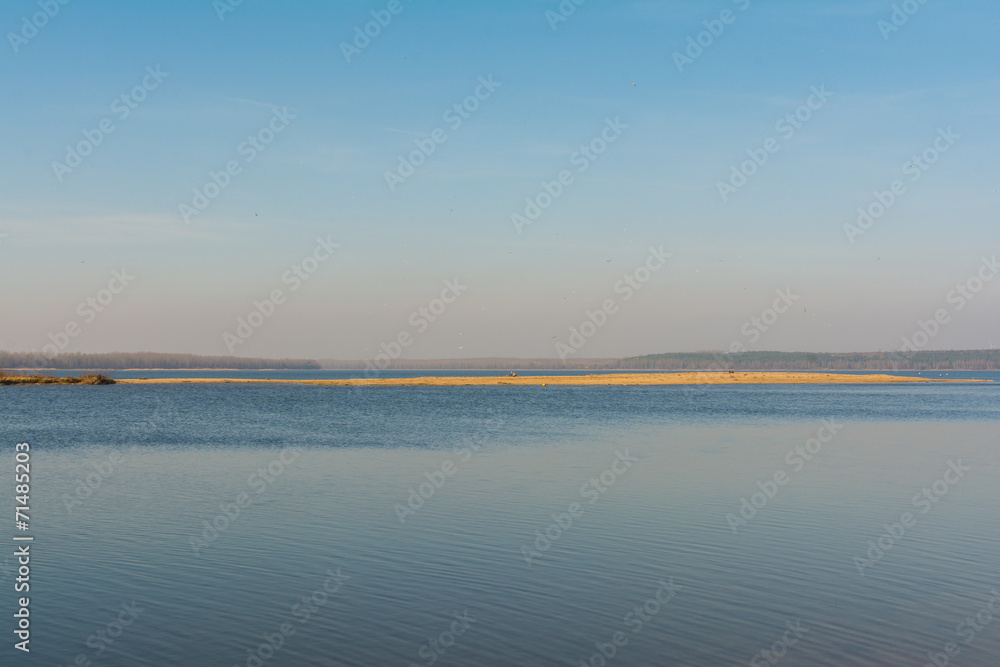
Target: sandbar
<point>608,379</point>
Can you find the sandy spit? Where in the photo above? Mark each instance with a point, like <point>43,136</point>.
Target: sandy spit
<point>631,379</point>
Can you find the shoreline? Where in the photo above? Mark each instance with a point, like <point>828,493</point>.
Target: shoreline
<point>604,379</point>
<point>553,371</point>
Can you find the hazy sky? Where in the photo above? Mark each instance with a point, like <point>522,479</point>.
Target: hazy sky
<point>310,114</point>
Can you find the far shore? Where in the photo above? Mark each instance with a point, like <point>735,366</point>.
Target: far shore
<point>172,370</point>
<point>630,379</point>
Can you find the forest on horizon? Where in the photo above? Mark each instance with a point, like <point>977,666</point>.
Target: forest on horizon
<point>744,361</point>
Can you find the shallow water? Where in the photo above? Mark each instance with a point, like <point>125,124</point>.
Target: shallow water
<point>505,460</point>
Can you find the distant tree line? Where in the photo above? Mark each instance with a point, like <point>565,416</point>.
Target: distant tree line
<point>961,360</point>
<point>979,360</point>
<point>146,360</point>
<point>480,364</point>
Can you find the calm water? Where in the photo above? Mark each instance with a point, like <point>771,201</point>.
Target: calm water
<point>647,483</point>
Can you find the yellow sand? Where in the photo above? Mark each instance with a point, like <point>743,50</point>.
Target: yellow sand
<point>602,379</point>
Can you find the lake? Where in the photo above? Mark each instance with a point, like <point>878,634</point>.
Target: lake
<point>315,525</point>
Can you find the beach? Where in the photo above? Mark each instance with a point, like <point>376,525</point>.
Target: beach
<point>607,379</point>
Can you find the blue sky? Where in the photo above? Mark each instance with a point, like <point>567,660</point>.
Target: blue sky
<point>324,175</point>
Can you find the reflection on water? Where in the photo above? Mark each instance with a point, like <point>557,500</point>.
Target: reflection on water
<point>477,526</point>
